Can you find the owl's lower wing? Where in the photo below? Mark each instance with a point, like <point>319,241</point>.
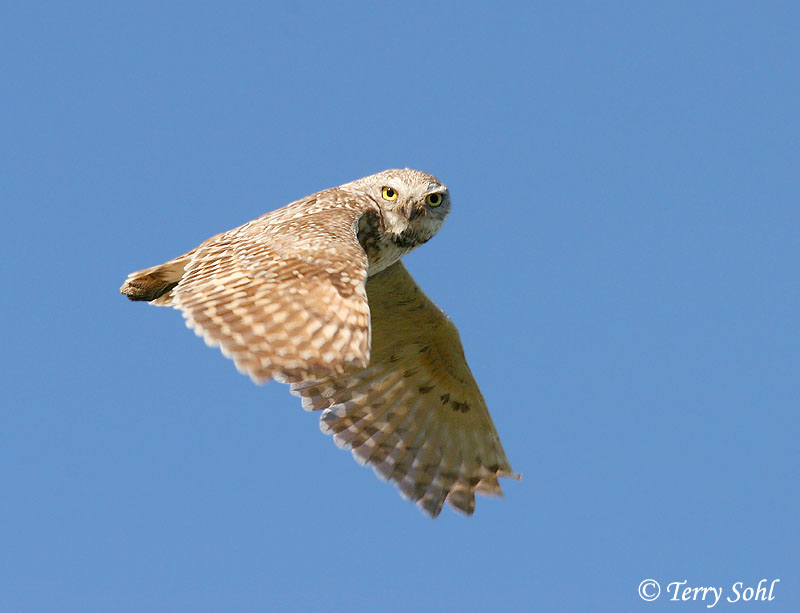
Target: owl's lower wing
<point>283,297</point>
<point>415,414</point>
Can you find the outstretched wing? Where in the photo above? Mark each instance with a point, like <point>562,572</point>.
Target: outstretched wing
<point>415,413</point>
<point>283,295</point>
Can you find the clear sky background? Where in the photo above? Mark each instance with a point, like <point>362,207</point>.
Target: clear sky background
<point>621,260</point>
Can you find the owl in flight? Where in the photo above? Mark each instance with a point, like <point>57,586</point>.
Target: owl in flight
<point>314,295</point>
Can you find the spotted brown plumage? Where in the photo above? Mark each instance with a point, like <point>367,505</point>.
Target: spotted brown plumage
<point>314,294</point>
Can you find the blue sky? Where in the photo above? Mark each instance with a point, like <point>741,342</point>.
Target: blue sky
<point>621,261</point>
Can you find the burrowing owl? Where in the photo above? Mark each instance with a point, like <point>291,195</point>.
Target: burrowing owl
<point>314,295</point>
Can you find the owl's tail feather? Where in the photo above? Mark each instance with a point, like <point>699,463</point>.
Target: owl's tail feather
<point>155,284</point>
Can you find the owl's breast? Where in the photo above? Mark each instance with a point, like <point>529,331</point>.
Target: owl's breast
<point>382,247</point>
<point>383,254</point>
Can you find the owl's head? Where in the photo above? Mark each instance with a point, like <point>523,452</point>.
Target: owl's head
<point>413,204</point>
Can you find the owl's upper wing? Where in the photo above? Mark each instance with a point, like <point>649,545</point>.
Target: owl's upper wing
<point>283,295</point>
<point>415,414</point>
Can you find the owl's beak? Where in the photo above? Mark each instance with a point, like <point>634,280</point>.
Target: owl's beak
<point>415,212</point>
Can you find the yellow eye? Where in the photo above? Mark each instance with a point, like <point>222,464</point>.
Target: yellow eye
<point>389,194</point>
<point>433,199</point>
